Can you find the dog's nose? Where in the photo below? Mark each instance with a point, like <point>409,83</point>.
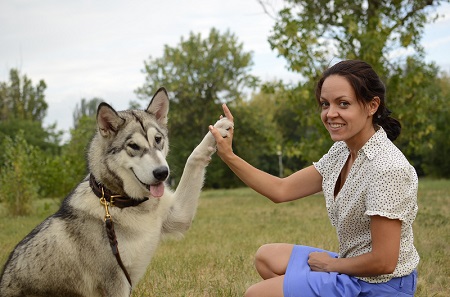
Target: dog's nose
<point>161,173</point>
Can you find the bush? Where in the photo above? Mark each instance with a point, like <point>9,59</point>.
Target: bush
<point>18,186</point>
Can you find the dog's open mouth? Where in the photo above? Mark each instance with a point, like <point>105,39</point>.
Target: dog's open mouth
<point>156,190</point>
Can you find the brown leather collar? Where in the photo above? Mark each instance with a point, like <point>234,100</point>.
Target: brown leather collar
<point>119,201</point>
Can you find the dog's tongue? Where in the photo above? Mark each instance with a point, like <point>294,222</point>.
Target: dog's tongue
<point>157,190</point>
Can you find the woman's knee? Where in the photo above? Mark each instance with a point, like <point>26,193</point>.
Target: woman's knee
<point>263,253</point>
<point>271,259</point>
<point>262,261</point>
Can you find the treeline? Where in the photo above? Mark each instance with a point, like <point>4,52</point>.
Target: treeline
<point>277,127</point>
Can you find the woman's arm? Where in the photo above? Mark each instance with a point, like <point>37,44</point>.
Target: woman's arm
<point>381,260</point>
<point>300,184</point>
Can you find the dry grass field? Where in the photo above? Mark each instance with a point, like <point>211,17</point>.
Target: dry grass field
<point>216,256</point>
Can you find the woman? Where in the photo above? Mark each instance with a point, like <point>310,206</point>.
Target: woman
<point>371,197</point>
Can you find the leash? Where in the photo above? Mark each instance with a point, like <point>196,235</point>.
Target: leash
<point>109,200</point>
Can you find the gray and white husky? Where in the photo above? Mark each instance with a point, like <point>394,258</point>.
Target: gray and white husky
<point>101,240</point>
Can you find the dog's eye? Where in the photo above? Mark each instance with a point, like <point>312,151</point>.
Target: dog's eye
<point>158,139</point>
<point>134,146</point>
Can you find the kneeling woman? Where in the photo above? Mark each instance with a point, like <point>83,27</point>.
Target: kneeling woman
<point>371,197</point>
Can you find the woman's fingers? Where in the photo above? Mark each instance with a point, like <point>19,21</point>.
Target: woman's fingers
<point>227,112</point>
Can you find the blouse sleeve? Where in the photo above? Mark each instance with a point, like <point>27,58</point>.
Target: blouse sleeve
<point>326,164</point>
<point>393,194</point>
<point>320,165</point>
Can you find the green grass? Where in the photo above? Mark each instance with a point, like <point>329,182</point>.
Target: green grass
<point>216,256</point>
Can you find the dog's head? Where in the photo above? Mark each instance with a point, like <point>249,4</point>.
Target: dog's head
<point>128,153</point>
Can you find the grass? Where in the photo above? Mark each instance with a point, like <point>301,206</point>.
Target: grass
<point>216,256</point>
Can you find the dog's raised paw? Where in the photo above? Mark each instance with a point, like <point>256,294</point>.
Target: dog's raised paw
<point>224,125</point>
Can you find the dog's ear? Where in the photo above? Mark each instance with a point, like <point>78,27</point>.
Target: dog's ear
<point>108,120</point>
<point>159,105</point>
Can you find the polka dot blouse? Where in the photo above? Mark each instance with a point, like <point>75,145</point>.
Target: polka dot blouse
<point>380,182</point>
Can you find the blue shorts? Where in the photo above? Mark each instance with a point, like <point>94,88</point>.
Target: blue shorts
<point>300,281</point>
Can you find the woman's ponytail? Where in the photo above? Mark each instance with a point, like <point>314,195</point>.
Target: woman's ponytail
<point>391,126</point>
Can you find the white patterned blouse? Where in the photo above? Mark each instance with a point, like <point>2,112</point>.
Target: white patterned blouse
<point>381,182</point>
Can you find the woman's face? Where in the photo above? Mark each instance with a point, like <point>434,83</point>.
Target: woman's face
<point>345,118</point>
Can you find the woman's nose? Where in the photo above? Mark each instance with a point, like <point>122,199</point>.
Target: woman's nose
<point>332,111</point>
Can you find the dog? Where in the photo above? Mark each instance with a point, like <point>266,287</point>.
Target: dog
<point>101,240</point>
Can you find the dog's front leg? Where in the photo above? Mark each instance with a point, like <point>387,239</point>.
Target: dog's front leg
<point>115,284</point>
<point>191,182</point>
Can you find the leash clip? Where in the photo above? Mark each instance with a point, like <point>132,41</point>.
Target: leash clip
<point>106,205</point>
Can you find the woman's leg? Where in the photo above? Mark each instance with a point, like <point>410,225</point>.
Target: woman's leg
<point>272,287</point>
<point>285,270</point>
<point>271,260</point>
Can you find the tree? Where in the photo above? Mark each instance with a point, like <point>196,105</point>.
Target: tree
<point>62,172</point>
<point>46,139</point>
<point>199,75</point>
<point>310,33</point>
<point>20,100</point>
<point>437,152</point>
<point>86,108</point>
<point>74,153</point>
<point>23,107</point>
<point>414,94</point>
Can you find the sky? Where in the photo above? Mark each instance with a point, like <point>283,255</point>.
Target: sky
<point>87,48</point>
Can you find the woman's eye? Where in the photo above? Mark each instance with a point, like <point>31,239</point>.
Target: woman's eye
<point>344,104</point>
<point>324,104</point>
<point>134,146</point>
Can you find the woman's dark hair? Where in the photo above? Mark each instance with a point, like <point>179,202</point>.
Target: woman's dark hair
<point>367,85</point>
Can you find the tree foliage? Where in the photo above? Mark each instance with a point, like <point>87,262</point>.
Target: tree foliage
<point>46,139</point>
<point>23,107</point>
<point>436,158</point>
<point>62,172</point>
<point>75,152</point>
<point>20,100</point>
<point>415,97</point>
<point>85,108</point>
<point>73,158</point>
<point>310,33</point>
<point>200,73</point>
<point>304,137</point>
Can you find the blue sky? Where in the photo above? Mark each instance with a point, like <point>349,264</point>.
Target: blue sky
<point>86,49</point>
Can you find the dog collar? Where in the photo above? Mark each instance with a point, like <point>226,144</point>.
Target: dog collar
<point>119,201</point>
